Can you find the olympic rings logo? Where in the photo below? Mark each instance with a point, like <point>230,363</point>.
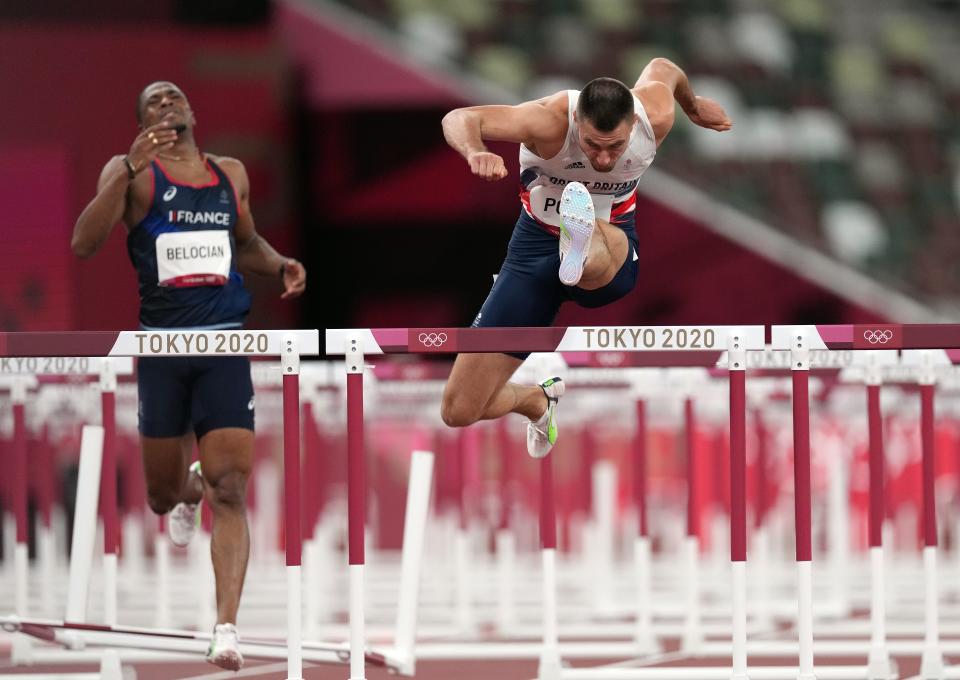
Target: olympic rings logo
<point>432,339</point>
<point>878,337</point>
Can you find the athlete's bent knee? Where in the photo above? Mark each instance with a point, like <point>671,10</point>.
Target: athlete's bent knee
<point>161,501</point>
<point>457,413</point>
<point>229,491</point>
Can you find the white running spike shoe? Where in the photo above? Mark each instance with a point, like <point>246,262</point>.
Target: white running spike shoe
<point>183,519</point>
<point>542,433</point>
<point>224,648</point>
<point>577,223</point>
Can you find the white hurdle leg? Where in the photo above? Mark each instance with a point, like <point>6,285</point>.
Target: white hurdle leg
<point>161,552</point>
<point>549,667</point>
<point>692,629</point>
<point>47,552</point>
<point>464,579</point>
<point>644,636</point>
<point>760,567</point>
<point>506,566</point>
<point>838,521</point>
<point>931,663</point>
<point>414,528</point>
<point>604,480</point>
<point>84,523</point>
<point>879,664</point>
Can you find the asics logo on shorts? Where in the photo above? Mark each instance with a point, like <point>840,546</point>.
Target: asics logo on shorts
<point>878,337</point>
<point>432,339</point>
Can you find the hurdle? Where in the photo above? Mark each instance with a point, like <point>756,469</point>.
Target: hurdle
<point>20,375</point>
<point>288,345</point>
<point>924,346</point>
<point>661,347</point>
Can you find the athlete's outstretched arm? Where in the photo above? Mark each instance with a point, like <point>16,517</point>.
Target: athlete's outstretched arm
<point>254,254</point>
<point>466,129</point>
<point>662,82</point>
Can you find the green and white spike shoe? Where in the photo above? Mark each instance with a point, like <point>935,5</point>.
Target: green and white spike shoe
<point>542,434</point>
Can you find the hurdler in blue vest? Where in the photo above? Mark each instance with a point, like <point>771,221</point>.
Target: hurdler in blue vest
<point>190,234</point>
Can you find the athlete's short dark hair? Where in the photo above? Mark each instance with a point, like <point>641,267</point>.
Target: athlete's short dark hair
<point>605,102</point>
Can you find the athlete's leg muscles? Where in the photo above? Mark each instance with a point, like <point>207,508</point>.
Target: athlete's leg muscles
<point>609,249</point>
<point>165,462</point>
<point>478,389</point>
<point>226,457</point>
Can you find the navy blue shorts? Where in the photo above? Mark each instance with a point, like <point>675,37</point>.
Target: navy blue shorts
<point>528,291</point>
<point>178,394</point>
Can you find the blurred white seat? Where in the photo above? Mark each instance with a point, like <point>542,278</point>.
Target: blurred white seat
<point>761,38</point>
<point>853,231</point>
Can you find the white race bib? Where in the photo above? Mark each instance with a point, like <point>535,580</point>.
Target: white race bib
<point>545,204</point>
<point>193,258</point>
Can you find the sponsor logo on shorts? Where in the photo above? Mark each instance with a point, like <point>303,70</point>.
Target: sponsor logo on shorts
<point>250,405</point>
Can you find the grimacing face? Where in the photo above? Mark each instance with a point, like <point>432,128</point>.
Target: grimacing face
<point>164,101</point>
<point>603,149</point>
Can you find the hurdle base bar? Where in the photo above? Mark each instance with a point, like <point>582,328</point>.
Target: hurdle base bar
<point>711,673</point>
<point>78,637</point>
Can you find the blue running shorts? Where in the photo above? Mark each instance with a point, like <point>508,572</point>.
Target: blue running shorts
<point>177,394</point>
